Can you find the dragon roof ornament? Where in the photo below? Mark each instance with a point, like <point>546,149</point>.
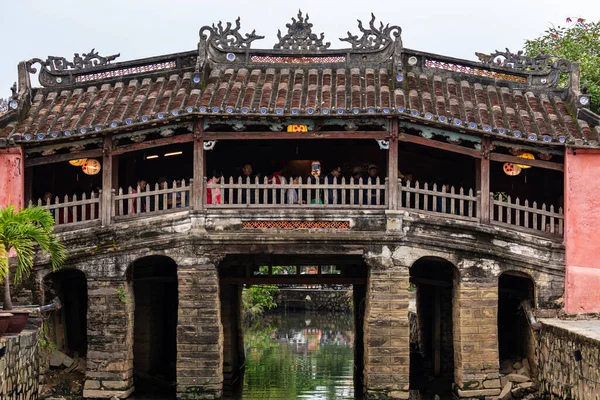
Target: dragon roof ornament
<point>300,36</point>
<point>518,61</point>
<point>61,64</point>
<point>229,38</point>
<point>373,38</point>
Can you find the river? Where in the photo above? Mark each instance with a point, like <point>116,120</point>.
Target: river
<point>299,356</point>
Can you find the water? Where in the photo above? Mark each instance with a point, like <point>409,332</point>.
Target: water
<point>299,356</point>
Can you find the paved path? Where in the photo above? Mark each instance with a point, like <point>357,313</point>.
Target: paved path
<point>587,328</point>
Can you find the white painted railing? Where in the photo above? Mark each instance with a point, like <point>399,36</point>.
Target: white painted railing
<point>506,212</point>
<point>152,200</point>
<point>301,192</point>
<point>449,201</point>
<point>72,210</point>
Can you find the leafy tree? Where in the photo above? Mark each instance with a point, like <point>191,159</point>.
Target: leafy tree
<point>257,299</point>
<point>579,41</point>
<point>21,231</point>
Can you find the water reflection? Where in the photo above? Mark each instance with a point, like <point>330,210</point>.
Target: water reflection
<point>299,356</point>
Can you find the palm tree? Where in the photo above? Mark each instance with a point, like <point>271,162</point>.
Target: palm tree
<point>21,231</point>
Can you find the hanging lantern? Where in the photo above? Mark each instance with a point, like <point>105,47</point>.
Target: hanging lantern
<point>297,128</point>
<point>511,169</point>
<point>78,163</point>
<point>528,156</point>
<point>91,167</point>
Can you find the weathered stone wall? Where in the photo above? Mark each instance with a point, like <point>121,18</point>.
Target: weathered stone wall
<point>560,376</point>
<point>319,300</point>
<point>110,339</point>
<point>386,327</point>
<point>19,367</point>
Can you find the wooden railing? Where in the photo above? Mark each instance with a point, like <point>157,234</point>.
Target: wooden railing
<point>148,200</point>
<point>506,212</point>
<point>444,201</point>
<point>72,211</point>
<point>256,193</point>
<point>441,200</point>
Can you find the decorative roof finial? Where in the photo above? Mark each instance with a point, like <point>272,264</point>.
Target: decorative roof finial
<point>228,38</point>
<point>518,61</point>
<point>58,64</point>
<point>373,38</point>
<point>300,36</point>
<point>13,89</point>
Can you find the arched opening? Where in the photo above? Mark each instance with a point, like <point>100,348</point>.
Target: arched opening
<point>309,344</point>
<point>154,281</point>
<point>432,342</point>
<point>515,338</point>
<point>67,327</point>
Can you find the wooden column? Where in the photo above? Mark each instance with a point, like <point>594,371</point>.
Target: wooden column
<point>393,167</point>
<point>199,166</point>
<point>28,194</point>
<point>483,182</point>
<point>107,179</point>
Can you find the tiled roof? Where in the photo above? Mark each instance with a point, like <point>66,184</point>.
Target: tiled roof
<point>293,92</point>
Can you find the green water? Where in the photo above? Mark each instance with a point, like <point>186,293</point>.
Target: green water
<point>299,356</point>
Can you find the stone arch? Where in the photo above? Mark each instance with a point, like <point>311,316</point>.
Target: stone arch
<point>433,281</point>
<point>153,288</point>
<point>67,327</point>
<point>516,343</point>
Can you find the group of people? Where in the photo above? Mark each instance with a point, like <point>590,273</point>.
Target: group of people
<point>277,177</point>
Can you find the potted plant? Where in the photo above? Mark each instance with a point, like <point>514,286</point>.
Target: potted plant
<point>20,232</point>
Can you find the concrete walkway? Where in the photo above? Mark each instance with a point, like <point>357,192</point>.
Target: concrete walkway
<point>587,328</point>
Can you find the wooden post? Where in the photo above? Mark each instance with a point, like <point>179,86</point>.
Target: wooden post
<point>393,166</point>
<point>483,182</point>
<point>199,166</point>
<point>28,194</point>
<point>107,180</point>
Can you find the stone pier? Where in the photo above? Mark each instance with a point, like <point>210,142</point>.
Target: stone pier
<point>110,339</point>
<point>199,332</point>
<point>386,329</point>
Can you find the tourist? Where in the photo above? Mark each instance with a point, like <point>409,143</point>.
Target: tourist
<point>141,186</point>
<point>313,179</point>
<point>292,193</point>
<point>276,178</point>
<point>213,195</point>
<point>356,179</point>
<point>371,195</point>
<point>247,179</point>
<point>333,177</point>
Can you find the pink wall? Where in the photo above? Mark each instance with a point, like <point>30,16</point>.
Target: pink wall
<point>12,177</point>
<point>582,231</point>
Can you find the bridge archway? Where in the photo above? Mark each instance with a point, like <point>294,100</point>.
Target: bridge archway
<point>154,283</point>
<point>67,328</point>
<point>237,272</point>
<point>515,338</point>
<point>433,280</point>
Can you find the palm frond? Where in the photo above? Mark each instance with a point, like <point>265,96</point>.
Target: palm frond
<point>3,261</point>
<point>22,231</point>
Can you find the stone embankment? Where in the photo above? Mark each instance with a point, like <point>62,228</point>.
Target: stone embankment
<point>319,300</point>
<point>19,366</point>
<point>569,359</point>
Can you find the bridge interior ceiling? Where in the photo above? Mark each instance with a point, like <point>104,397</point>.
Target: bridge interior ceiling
<point>273,269</point>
